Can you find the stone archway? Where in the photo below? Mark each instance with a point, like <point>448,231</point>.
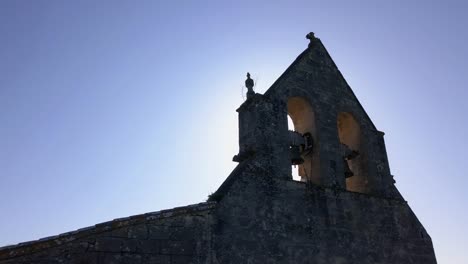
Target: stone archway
<point>349,132</point>
<point>303,120</point>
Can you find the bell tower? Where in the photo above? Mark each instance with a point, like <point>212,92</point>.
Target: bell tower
<point>333,141</point>
<point>344,209</point>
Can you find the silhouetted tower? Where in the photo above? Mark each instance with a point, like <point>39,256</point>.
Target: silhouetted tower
<point>345,208</point>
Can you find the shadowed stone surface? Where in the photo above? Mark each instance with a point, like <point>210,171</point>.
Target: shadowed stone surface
<point>259,214</point>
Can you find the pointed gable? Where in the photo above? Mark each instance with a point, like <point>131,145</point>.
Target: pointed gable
<point>315,73</point>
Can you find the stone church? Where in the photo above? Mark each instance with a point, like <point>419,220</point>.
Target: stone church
<point>344,209</point>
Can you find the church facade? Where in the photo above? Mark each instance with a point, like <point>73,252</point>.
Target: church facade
<point>344,208</point>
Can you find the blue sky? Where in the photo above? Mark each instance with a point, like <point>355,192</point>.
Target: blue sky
<point>115,108</point>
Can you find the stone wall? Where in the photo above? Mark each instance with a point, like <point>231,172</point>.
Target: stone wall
<point>257,218</point>
<point>265,219</point>
<point>181,235</point>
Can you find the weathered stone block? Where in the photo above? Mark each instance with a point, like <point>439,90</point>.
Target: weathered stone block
<point>159,232</point>
<point>130,245</point>
<point>138,231</point>
<point>157,259</point>
<point>108,244</point>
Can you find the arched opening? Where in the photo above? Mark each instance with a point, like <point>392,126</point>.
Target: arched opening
<point>295,169</point>
<point>351,153</point>
<point>301,119</point>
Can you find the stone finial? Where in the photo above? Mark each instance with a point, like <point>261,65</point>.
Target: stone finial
<point>249,83</point>
<point>311,37</point>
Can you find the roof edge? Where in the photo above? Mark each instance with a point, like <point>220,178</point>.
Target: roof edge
<point>53,241</point>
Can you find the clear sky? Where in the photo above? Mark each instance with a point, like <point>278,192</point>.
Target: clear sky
<point>115,108</point>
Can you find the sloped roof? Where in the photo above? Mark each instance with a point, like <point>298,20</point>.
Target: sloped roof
<point>53,241</point>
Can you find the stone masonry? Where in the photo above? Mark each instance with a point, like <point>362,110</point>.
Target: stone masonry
<point>344,209</point>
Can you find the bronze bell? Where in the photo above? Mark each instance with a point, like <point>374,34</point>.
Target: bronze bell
<point>296,158</point>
